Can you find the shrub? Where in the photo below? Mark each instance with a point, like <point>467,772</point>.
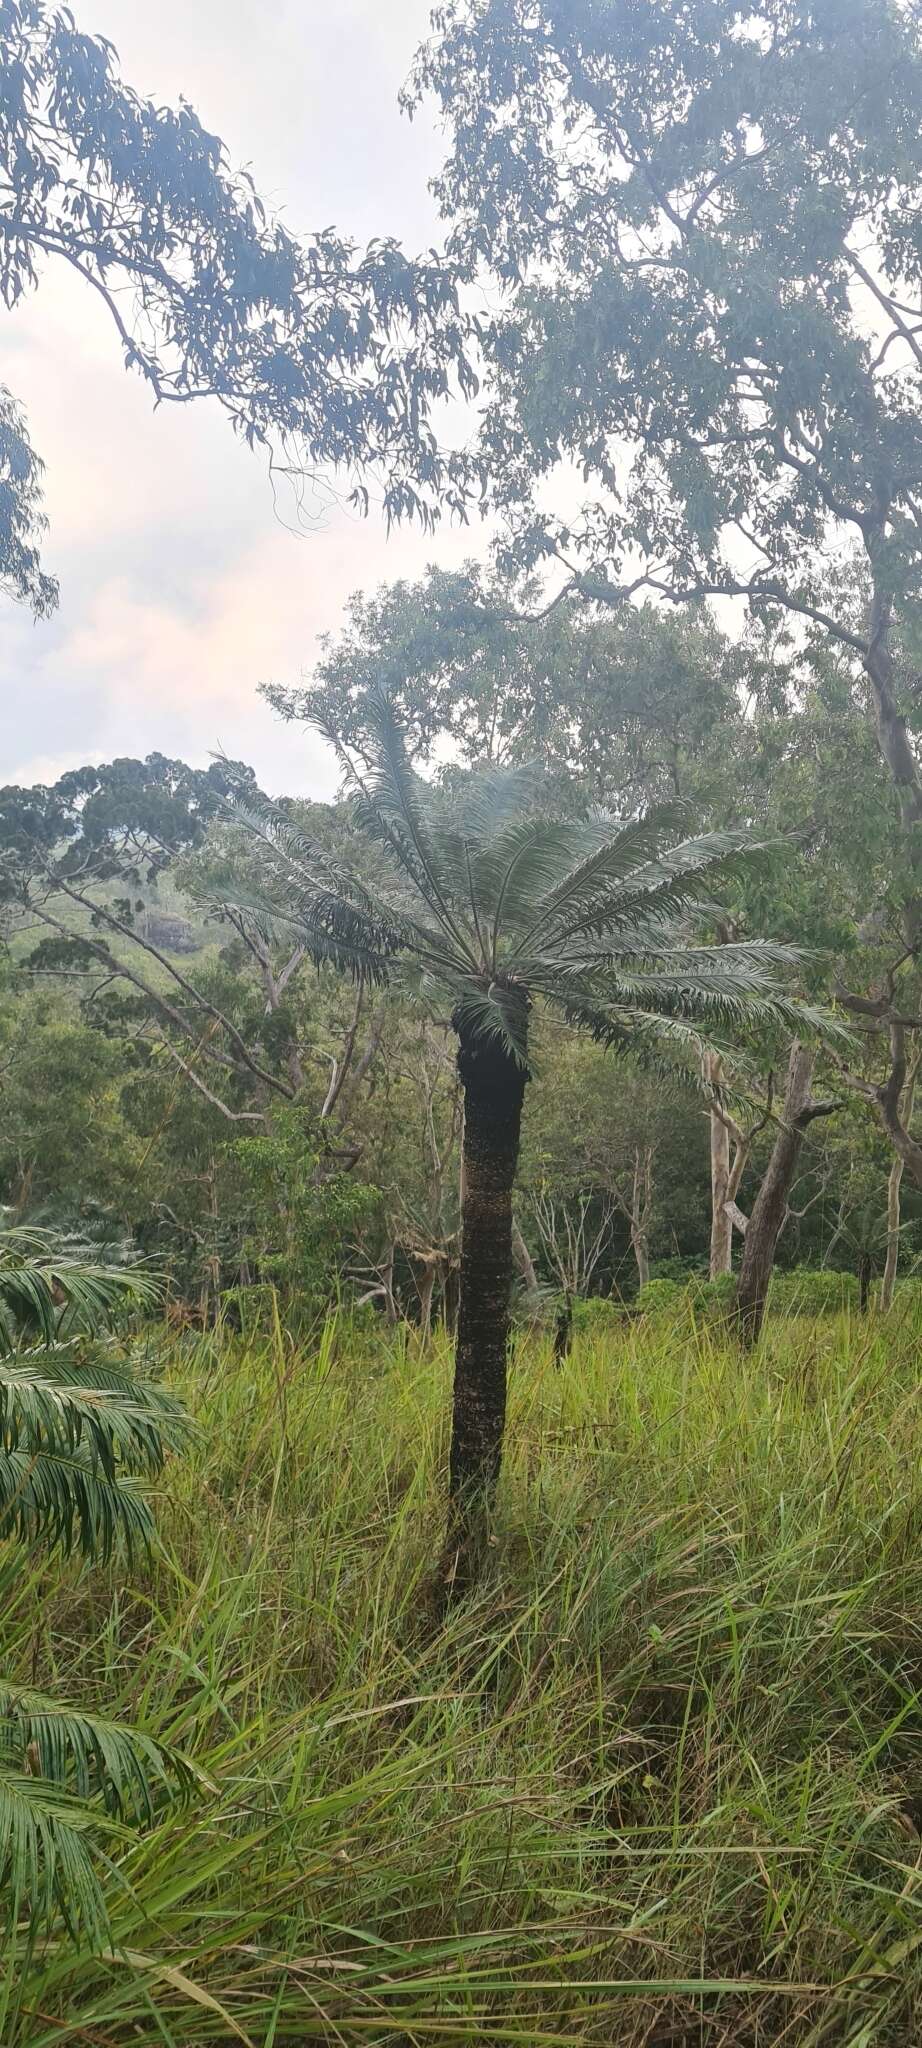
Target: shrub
<point>596,1314</point>
<point>661,1294</point>
<point>804,1291</point>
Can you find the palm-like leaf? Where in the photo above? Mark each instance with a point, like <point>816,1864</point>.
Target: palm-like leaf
<point>66,1775</point>
<point>79,1434</point>
<point>49,1288</point>
<point>496,905</point>
<point>46,1862</point>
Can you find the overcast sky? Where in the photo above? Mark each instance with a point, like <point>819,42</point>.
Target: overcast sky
<point>181,588</point>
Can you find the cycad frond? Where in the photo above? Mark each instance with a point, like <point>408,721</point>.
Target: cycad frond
<point>63,1398</point>
<point>45,1289</point>
<point>651,891</point>
<point>97,1758</point>
<point>79,1431</point>
<point>391,802</point>
<point>594,915</point>
<point>494,1012</point>
<point>64,1499</point>
<point>45,1860</point>
<point>595,856</point>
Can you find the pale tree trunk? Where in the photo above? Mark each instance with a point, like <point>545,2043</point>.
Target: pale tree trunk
<point>641,1211</point>
<point>892,734</point>
<point>721,1259</point>
<point>730,1150</point>
<point>894,1184</point>
<point>770,1207</point>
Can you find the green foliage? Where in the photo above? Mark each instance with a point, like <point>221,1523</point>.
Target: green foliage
<point>492,906</point>
<point>656,1295</point>
<point>596,1316</point>
<point>642,708</point>
<point>301,1218</point>
<point>676,203</point>
<point>78,1431</point>
<point>804,1292</point>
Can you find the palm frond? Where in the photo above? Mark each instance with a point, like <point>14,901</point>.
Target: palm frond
<point>95,1757</point>
<point>494,1012</point>
<point>45,1289</point>
<point>45,1859</point>
<point>66,1500</point>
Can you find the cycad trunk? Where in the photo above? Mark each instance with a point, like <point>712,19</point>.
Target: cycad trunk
<point>494,1088</point>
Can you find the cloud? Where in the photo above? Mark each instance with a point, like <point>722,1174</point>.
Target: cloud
<point>181,588</point>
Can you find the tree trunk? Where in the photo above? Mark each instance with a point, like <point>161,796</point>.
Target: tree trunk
<point>641,1208</point>
<point>425,1288</point>
<point>891,1262</point>
<point>563,1329</point>
<point>770,1206</point>
<point>865,1276</point>
<point>721,1259</point>
<point>494,1089</point>
<point>893,737</point>
<point>894,1186</point>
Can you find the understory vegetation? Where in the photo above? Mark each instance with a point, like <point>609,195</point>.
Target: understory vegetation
<point>657,1780</point>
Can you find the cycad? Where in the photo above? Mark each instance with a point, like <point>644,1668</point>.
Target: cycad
<point>490,909</point>
<point>79,1435</point>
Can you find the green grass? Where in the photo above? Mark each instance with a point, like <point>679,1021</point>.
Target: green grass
<point>660,1782</point>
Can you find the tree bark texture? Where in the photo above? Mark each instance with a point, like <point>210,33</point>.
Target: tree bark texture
<point>770,1206</point>
<point>494,1088</point>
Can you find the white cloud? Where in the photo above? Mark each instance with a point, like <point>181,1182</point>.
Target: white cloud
<point>181,589</point>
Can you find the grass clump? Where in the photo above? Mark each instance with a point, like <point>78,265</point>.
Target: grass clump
<point>659,1781</point>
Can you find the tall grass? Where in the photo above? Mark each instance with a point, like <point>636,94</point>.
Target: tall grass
<point>659,1782</point>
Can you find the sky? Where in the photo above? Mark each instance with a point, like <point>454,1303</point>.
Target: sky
<point>183,585</point>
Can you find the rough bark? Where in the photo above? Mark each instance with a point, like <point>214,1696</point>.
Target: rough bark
<point>494,1088</point>
<point>770,1206</point>
<point>563,1330</point>
<point>865,1276</point>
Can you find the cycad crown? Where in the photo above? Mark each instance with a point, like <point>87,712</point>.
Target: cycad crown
<point>486,904</point>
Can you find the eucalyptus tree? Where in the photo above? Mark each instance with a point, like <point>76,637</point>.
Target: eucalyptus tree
<point>321,353</point>
<point>491,912</point>
<point>700,225</point>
